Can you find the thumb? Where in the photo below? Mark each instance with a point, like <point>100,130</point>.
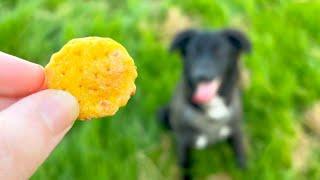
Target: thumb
<point>31,128</point>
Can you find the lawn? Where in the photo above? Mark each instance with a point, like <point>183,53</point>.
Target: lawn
<point>283,82</point>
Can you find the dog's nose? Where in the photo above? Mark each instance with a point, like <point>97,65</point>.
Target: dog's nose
<point>200,75</point>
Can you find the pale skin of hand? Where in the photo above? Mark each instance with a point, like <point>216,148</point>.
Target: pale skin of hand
<point>33,119</point>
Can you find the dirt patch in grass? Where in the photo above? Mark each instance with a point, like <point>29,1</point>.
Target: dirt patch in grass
<point>312,119</point>
<point>219,176</point>
<point>302,151</point>
<point>245,77</point>
<point>175,22</point>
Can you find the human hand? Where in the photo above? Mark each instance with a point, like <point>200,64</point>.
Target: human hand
<point>32,120</point>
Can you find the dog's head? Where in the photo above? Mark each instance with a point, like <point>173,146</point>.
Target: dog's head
<point>207,57</point>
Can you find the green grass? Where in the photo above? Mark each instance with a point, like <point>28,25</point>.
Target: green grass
<point>285,80</point>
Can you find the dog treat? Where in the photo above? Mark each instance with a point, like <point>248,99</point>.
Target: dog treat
<point>99,72</point>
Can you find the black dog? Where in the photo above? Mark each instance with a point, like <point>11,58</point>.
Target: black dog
<point>206,106</point>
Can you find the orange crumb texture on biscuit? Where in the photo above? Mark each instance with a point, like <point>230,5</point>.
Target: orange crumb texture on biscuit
<point>99,72</point>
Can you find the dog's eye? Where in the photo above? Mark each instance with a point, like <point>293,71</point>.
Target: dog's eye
<point>219,51</point>
<point>219,48</point>
<point>215,49</point>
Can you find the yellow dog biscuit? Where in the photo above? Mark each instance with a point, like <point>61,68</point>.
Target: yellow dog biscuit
<point>99,72</point>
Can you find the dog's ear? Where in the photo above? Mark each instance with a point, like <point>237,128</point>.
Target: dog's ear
<point>238,39</point>
<point>181,40</point>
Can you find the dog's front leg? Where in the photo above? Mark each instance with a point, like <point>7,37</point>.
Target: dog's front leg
<point>236,142</point>
<point>184,158</point>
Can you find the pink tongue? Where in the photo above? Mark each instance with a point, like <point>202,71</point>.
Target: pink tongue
<point>205,92</point>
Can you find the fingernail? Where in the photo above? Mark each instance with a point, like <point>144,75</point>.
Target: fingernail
<point>59,110</point>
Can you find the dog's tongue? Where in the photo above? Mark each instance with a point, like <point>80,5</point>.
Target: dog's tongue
<point>205,92</point>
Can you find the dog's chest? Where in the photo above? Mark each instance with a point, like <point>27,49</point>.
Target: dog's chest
<point>219,114</point>
<point>217,110</point>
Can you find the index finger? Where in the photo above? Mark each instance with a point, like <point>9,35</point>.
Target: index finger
<point>19,77</point>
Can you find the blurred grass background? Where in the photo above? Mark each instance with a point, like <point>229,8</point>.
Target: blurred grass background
<point>283,82</point>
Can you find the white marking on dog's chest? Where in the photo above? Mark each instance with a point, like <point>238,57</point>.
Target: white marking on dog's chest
<point>224,131</point>
<point>201,142</point>
<point>217,109</point>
